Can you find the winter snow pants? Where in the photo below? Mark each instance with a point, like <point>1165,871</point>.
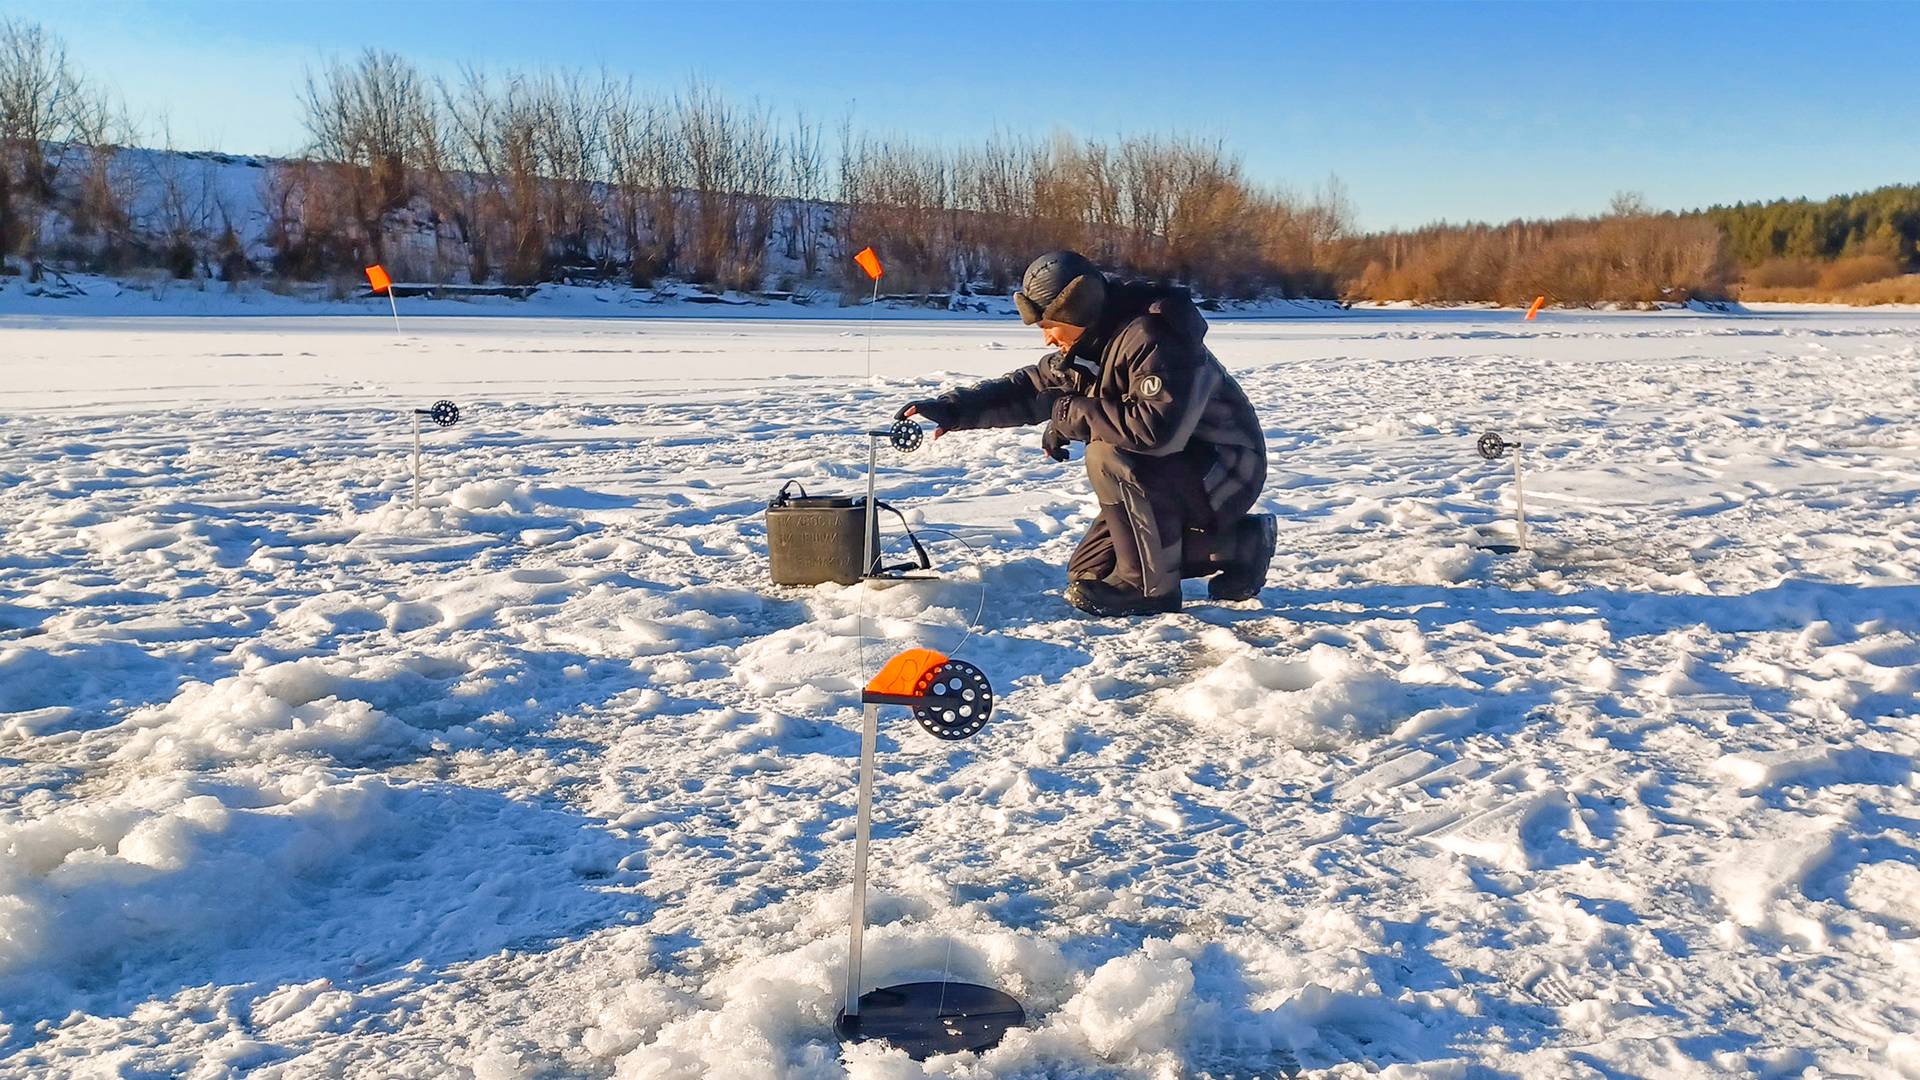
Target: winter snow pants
<point>1156,525</point>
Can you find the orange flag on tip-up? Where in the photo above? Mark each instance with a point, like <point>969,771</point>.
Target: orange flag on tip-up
<point>869,262</point>
<point>1538,303</point>
<point>377,277</point>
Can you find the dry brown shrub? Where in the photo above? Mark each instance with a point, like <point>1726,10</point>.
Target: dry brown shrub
<point>1628,256</point>
<point>1783,274</point>
<point>1895,290</point>
<point>1846,273</point>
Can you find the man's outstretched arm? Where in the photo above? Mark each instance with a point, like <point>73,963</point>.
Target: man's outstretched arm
<point>1016,399</point>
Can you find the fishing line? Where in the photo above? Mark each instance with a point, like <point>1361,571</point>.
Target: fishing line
<point>905,436</point>
<point>968,628</point>
<point>946,969</point>
<point>973,555</point>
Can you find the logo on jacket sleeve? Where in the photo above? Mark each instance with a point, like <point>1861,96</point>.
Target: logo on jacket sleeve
<point>1151,386</point>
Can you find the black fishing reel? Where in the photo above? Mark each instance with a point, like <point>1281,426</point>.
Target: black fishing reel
<point>959,700</point>
<point>1493,447</point>
<point>905,436</point>
<point>444,413</point>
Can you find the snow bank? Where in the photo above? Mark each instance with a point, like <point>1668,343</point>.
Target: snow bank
<point>167,864</point>
<point>1758,879</point>
<point>307,708</point>
<point>765,1016</point>
<point>1133,1004</point>
<point>1322,699</point>
<point>505,507</point>
<point>264,874</point>
<point>543,779</point>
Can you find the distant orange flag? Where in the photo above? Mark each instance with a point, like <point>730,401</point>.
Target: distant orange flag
<point>869,262</point>
<point>1538,303</point>
<point>377,277</point>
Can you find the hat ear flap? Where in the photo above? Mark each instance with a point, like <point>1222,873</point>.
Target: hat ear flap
<point>1080,302</point>
<point>1029,311</point>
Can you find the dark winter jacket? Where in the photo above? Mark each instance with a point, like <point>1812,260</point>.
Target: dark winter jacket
<point>1142,380</point>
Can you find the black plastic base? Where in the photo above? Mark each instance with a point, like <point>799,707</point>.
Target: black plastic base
<point>928,1018</point>
<point>1500,549</point>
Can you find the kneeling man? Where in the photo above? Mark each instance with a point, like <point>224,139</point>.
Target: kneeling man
<point>1173,446</point>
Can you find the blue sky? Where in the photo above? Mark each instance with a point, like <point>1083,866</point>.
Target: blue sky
<point>1425,111</point>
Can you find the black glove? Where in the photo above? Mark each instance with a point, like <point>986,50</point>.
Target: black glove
<point>1054,444</point>
<point>939,412</point>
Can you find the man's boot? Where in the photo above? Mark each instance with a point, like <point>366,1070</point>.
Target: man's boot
<point>1106,600</point>
<point>1246,575</point>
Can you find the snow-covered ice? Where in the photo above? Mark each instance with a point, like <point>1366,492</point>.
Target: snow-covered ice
<point>543,779</point>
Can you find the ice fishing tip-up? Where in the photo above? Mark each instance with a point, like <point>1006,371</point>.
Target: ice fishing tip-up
<point>443,413</point>
<point>904,436</point>
<point>952,700</point>
<point>1493,447</point>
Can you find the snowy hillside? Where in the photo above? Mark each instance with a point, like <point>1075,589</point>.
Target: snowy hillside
<point>211,233</point>
<point>74,294</point>
<point>543,779</point>
<point>212,206</point>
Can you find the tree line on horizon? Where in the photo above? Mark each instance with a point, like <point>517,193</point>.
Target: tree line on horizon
<point>524,178</point>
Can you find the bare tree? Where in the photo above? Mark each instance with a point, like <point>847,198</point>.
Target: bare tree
<point>516,149</point>
<point>1628,204</point>
<point>103,196</point>
<point>185,210</point>
<point>45,109</point>
<point>472,195</point>
<point>370,116</point>
<point>496,132</point>
<point>570,133</point>
<point>806,184</point>
<point>732,161</point>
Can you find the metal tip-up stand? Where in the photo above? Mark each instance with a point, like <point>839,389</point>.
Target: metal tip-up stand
<point>1492,447</point>
<point>444,414</point>
<point>952,700</point>
<point>906,437</point>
